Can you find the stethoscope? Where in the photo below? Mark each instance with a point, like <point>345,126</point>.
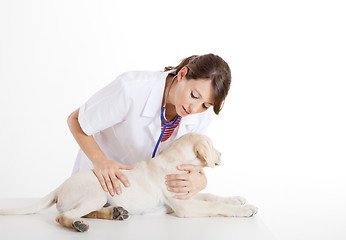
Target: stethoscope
<point>164,120</point>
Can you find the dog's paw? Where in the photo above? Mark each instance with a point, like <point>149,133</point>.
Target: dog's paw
<point>246,211</point>
<point>80,226</point>
<point>120,213</point>
<point>237,200</point>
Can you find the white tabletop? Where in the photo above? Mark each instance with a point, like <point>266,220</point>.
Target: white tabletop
<point>43,226</point>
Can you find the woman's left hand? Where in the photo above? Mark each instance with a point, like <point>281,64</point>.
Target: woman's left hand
<point>189,183</point>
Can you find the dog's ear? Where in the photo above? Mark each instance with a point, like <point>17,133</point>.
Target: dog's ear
<point>203,152</point>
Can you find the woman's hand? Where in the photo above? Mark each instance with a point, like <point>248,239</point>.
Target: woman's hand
<point>108,174</point>
<point>189,183</point>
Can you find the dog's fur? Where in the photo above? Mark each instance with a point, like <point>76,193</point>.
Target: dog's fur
<point>82,195</point>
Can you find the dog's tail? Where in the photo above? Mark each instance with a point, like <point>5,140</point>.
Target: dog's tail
<point>43,203</point>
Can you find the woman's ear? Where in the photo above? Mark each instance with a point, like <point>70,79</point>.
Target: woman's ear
<point>182,73</point>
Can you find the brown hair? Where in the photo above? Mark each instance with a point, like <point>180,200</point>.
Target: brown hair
<point>212,67</point>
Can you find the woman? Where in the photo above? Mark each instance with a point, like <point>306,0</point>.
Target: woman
<point>120,124</point>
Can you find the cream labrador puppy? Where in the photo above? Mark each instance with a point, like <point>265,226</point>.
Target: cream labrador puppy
<point>81,195</point>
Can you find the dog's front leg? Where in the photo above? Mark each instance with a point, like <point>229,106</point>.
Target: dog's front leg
<point>199,208</point>
<point>237,200</point>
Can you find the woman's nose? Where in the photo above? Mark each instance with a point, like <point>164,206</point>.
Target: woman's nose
<point>193,108</point>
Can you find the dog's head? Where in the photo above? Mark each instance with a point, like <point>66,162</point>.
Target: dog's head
<point>205,152</point>
<point>196,149</point>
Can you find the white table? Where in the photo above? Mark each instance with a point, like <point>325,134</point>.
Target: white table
<point>43,226</point>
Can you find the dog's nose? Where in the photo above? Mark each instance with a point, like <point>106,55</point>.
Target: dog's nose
<point>217,163</point>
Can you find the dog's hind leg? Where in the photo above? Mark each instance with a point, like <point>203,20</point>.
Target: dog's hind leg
<point>110,213</point>
<point>72,218</point>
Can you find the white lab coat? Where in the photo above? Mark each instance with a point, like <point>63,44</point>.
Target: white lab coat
<point>124,119</point>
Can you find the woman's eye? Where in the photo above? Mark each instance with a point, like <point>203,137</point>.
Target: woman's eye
<point>193,96</point>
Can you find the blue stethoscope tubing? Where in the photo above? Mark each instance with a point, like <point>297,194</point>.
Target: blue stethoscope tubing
<point>163,129</point>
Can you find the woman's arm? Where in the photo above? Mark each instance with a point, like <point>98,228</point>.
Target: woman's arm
<point>105,170</point>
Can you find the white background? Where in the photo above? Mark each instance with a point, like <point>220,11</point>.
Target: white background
<point>282,132</point>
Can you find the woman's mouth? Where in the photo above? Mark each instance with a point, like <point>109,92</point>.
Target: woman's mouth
<point>187,113</point>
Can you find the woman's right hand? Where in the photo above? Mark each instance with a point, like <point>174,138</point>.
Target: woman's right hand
<point>108,173</point>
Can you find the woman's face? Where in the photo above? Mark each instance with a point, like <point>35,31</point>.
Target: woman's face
<point>192,96</point>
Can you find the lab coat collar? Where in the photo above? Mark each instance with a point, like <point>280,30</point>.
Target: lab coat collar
<point>154,101</point>
<point>152,108</point>
<point>187,124</point>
